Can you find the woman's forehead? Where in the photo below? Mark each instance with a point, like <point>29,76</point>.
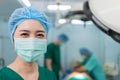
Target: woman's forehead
<point>30,25</point>
<point>30,22</point>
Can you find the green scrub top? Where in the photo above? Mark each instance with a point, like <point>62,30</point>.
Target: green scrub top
<point>94,68</point>
<point>53,53</point>
<point>8,74</point>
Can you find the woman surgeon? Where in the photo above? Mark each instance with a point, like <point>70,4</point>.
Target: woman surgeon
<point>28,30</point>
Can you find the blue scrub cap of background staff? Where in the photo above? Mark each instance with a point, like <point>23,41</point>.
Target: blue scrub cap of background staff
<point>25,13</point>
<point>85,51</point>
<point>63,38</point>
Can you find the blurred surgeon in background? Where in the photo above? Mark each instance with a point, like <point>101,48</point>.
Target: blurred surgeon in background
<point>28,30</point>
<point>52,56</point>
<point>90,65</point>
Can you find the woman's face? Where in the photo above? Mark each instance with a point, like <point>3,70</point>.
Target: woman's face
<point>30,29</point>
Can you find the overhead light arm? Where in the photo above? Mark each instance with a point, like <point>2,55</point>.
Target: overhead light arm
<point>73,13</point>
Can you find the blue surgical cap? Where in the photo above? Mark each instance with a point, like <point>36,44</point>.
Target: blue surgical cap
<point>85,51</point>
<point>63,38</point>
<point>22,14</point>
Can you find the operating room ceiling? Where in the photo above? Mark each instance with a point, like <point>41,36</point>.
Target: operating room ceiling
<point>62,0</point>
<point>42,4</point>
<point>8,6</point>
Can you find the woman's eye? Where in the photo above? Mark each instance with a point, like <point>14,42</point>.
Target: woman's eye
<point>24,35</point>
<point>40,35</point>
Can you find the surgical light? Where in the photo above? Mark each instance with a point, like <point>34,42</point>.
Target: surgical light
<point>59,7</point>
<point>64,7</point>
<point>105,17</point>
<point>25,2</point>
<point>62,21</point>
<point>52,7</point>
<point>77,22</point>
<point>89,22</point>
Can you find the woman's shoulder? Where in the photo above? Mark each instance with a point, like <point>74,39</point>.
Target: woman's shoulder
<point>8,74</point>
<point>3,70</point>
<point>45,73</point>
<point>3,73</point>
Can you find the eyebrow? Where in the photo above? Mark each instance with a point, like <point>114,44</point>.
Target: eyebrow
<point>40,31</point>
<point>24,31</point>
<point>36,31</point>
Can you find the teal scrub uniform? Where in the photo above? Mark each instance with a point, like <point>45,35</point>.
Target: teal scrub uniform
<point>94,68</point>
<point>53,53</point>
<point>8,74</point>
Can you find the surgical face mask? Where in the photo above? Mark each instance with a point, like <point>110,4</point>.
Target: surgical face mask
<point>30,49</point>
